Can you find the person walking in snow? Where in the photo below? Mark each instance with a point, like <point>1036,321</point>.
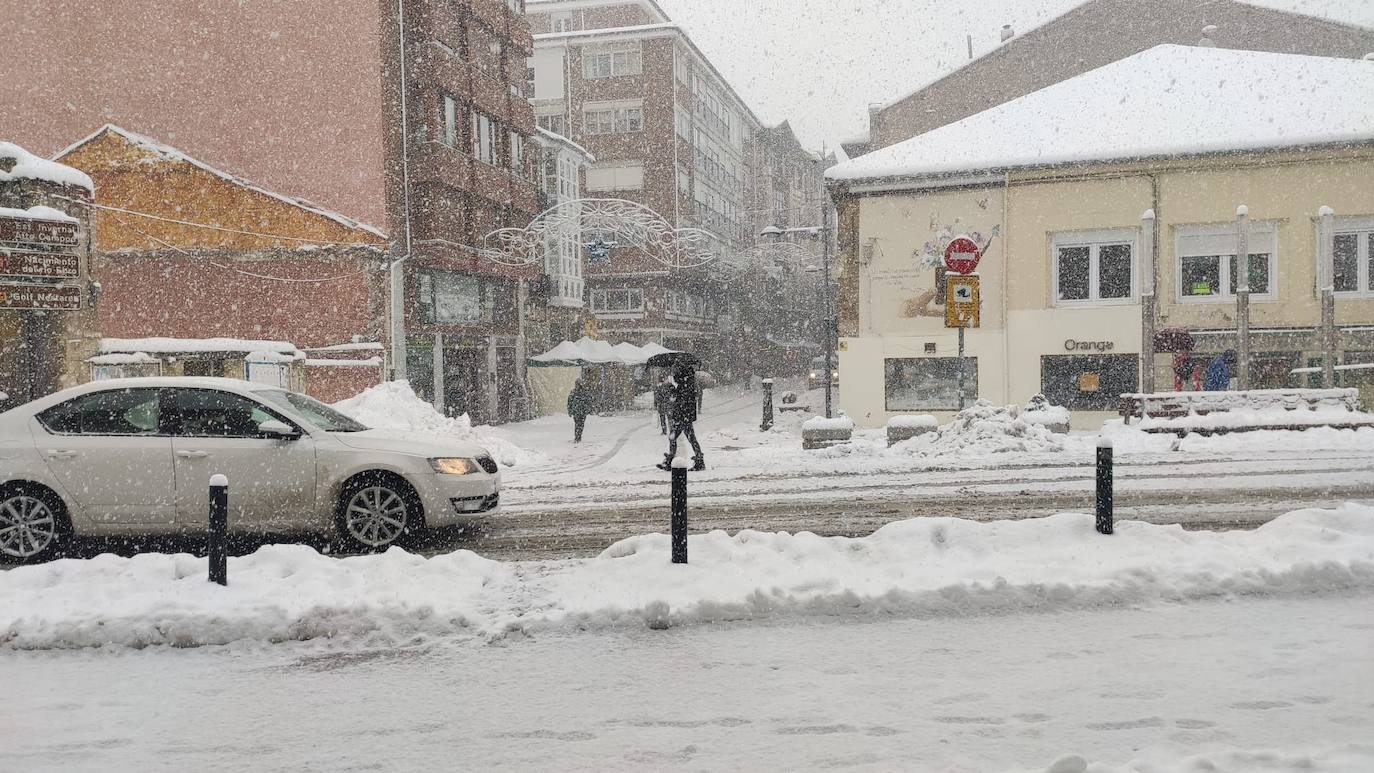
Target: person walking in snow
<point>1219,370</point>
<point>662,401</point>
<point>682,414</point>
<point>579,405</point>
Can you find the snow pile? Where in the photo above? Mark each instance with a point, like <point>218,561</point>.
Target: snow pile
<point>393,405</point>
<point>919,567</point>
<point>27,166</point>
<point>38,212</point>
<point>982,430</point>
<point>1344,759</point>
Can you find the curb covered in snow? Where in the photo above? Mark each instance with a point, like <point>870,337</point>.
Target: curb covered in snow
<point>918,567</point>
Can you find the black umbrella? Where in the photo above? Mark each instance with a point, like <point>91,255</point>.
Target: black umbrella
<point>1174,339</point>
<point>670,359</point>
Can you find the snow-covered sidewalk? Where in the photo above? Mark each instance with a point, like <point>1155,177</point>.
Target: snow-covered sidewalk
<point>1253,685</point>
<point>917,568</point>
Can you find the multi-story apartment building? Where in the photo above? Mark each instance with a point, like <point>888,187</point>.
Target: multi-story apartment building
<point>410,114</point>
<point>668,132</point>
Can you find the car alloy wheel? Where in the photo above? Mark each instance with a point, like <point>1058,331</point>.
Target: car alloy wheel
<point>376,516</point>
<point>27,526</point>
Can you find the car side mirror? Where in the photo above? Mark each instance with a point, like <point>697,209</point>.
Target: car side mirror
<point>278,430</point>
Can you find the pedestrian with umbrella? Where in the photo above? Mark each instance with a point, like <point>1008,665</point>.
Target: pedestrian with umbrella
<point>682,406</point>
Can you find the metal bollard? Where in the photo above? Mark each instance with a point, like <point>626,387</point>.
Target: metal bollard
<point>679,500</point>
<point>218,543</point>
<point>1104,485</point>
<point>767,405</point>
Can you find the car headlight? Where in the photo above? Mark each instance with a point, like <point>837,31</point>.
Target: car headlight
<point>454,466</point>
<point>813,374</point>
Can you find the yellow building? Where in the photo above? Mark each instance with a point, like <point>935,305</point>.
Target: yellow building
<point>1055,184</point>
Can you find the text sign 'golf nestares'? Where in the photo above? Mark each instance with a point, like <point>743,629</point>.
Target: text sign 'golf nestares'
<point>35,296</point>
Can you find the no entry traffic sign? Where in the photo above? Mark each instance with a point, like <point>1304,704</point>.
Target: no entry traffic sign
<point>962,256</point>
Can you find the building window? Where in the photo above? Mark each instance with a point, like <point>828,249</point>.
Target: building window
<point>517,154</point>
<point>1088,382</point>
<point>1094,268</point>
<point>929,383</point>
<point>447,297</point>
<point>613,118</point>
<point>529,79</point>
<point>1354,256</point>
<point>613,60</point>
<point>1207,265</point>
<point>623,176</point>
<point>450,122</point>
<point>624,301</point>
<point>483,138</point>
<point>554,123</point>
<point>562,22</point>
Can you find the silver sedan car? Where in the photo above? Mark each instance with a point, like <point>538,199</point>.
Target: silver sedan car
<point>135,457</point>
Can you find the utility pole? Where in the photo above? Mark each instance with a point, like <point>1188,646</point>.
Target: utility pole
<point>1242,297</point>
<point>829,315</point>
<point>1148,307</point>
<point>1326,286</point>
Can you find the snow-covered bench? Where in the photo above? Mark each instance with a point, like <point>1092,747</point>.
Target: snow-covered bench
<point>901,428</point>
<point>820,432</point>
<point>1214,413</point>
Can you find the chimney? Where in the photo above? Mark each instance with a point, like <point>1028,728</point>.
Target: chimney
<point>1207,33</point>
<point>1007,33</point>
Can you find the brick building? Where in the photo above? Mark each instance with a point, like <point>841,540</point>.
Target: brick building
<point>188,252</point>
<point>424,132</point>
<point>1096,33</point>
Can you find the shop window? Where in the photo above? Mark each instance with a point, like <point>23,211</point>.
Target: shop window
<point>1088,382</point>
<point>929,383</point>
<point>1207,264</point>
<point>1094,267</point>
<point>1354,256</point>
<point>621,301</point>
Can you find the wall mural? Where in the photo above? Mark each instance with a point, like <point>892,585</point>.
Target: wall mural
<point>929,301</point>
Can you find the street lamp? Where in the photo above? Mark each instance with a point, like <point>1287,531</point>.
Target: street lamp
<point>822,231</point>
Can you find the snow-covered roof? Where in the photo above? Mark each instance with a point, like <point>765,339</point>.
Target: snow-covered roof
<point>1167,101</point>
<point>169,153</point>
<point>39,212</point>
<point>553,137</point>
<point>131,358</point>
<point>27,166</point>
<point>195,345</point>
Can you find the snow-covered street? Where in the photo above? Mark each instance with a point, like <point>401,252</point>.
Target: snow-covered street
<point>1214,685</point>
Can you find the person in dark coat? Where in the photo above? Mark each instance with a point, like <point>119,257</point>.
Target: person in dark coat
<point>662,401</point>
<point>1219,370</point>
<point>682,414</point>
<point>579,405</point>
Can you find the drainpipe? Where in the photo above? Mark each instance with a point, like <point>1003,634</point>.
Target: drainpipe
<point>397,269</point>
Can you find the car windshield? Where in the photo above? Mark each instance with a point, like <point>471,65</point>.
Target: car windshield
<point>313,411</point>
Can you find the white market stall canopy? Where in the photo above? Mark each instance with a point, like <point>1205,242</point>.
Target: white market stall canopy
<point>587,351</point>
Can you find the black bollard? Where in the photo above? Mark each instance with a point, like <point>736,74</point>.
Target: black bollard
<point>767,405</point>
<point>218,542</point>
<point>679,500</point>
<point>1104,486</point>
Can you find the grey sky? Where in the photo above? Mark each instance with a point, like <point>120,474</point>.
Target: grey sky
<point>822,62</point>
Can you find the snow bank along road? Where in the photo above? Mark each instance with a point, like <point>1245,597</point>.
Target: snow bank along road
<point>1242,491</point>
<point>1224,686</point>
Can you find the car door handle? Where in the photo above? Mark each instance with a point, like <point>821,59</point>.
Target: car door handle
<point>62,454</point>
<point>193,454</point>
